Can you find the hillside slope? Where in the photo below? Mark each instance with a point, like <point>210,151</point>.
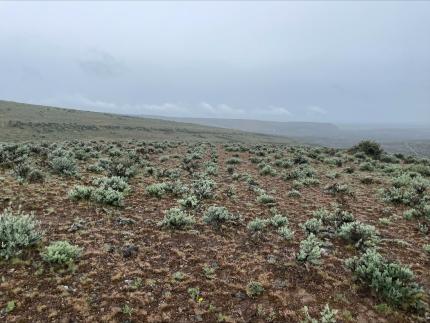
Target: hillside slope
<point>21,122</point>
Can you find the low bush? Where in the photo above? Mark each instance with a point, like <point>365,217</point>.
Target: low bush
<point>310,250</point>
<point>369,148</point>
<point>107,196</point>
<point>175,218</point>
<point>61,252</point>
<point>362,235</point>
<point>254,289</point>
<point>393,282</point>
<point>158,189</point>
<point>217,215</point>
<point>18,230</point>
<point>257,225</point>
<point>64,166</point>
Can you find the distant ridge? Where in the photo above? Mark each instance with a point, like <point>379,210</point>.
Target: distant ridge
<point>25,122</point>
<point>287,128</point>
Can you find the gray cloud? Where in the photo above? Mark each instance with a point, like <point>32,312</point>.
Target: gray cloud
<point>314,61</point>
<point>101,64</point>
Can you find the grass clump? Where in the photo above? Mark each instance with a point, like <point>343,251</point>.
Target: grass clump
<point>175,218</point>
<point>254,289</point>
<point>18,230</point>
<point>61,252</point>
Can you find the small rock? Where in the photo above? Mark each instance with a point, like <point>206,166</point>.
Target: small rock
<point>129,251</point>
<point>240,295</point>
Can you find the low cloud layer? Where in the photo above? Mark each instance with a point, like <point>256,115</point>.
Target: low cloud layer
<point>311,61</point>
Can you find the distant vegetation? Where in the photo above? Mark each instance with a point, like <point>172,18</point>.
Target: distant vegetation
<point>23,122</point>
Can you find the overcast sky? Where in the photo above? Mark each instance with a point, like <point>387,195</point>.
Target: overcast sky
<point>340,61</point>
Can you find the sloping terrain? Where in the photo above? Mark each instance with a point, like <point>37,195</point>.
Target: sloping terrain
<point>414,140</point>
<point>196,232</point>
<point>23,122</point>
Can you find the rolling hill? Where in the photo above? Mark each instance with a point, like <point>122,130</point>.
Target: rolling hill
<point>23,122</point>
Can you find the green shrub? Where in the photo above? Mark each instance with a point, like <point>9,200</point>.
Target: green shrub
<point>312,226</point>
<point>18,230</point>
<point>294,193</point>
<point>362,235</point>
<point>177,219</point>
<point>285,232</point>
<point>254,289</point>
<point>80,192</point>
<point>278,220</point>
<point>310,250</point>
<point>35,175</point>
<point>393,282</point>
<point>370,148</point>
<point>327,315</point>
<point>189,202</point>
<point>157,189</point>
<point>337,189</point>
<point>233,161</point>
<point>64,166</point>
<point>217,215</point>
<point>107,196</point>
<point>257,225</point>
<point>266,199</point>
<point>203,187</point>
<point>115,182</point>
<point>122,166</point>
<point>366,167</point>
<point>268,170</point>
<point>61,252</point>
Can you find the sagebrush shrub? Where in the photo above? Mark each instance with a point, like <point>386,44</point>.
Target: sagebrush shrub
<point>312,226</point>
<point>157,189</point>
<point>310,250</point>
<point>61,252</point>
<point>64,166</point>
<point>285,232</point>
<point>189,202</point>
<point>257,225</point>
<point>278,220</point>
<point>217,215</point>
<point>115,182</point>
<point>393,282</point>
<point>18,230</point>
<point>203,187</point>
<point>265,199</point>
<point>362,235</point>
<point>175,218</point>
<point>80,192</point>
<point>107,196</point>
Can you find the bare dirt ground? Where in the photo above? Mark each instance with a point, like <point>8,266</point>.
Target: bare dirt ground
<point>107,283</point>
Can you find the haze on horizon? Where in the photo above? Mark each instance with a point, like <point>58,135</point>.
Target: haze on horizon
<point>341,62</point>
